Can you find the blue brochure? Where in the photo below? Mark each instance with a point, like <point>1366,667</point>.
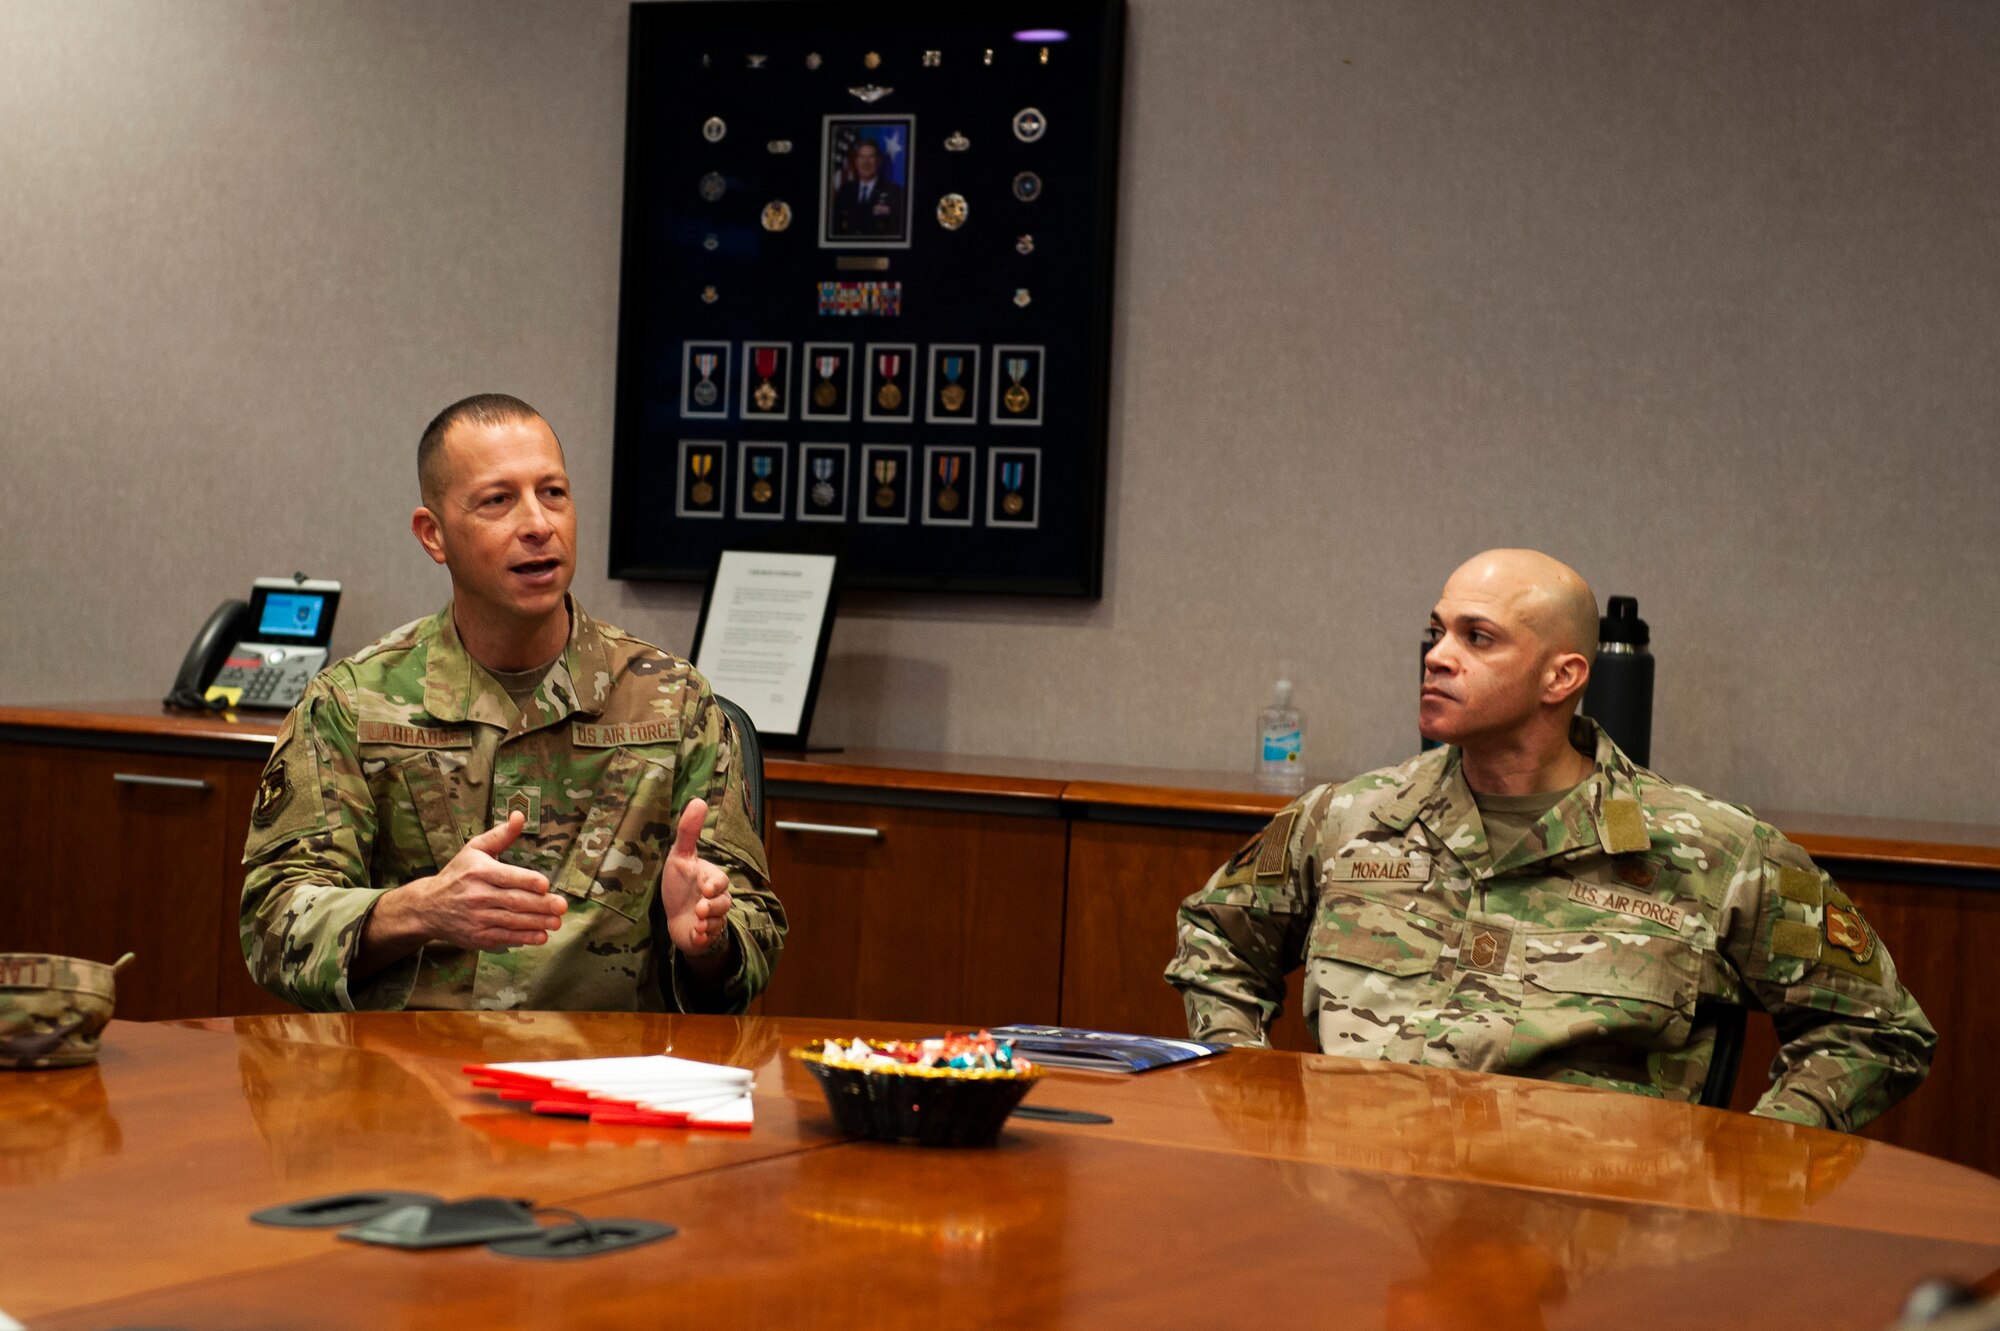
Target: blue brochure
<point>1101,1051</point>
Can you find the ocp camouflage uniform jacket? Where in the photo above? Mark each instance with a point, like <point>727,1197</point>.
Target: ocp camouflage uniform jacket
<point>1577,956</point>
<point>400,753</point>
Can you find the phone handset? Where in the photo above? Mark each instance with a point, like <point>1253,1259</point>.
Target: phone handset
<point>205,655</point>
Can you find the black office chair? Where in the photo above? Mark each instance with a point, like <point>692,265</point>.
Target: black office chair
<point>749,757</point>
<point>1730,1020</point>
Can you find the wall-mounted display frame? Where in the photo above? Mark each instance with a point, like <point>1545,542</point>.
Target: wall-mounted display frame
<point>866,301</point>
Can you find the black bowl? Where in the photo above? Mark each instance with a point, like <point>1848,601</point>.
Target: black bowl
<point>920,1106</point>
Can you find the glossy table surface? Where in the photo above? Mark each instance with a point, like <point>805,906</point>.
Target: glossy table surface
<point>1257,1187</point>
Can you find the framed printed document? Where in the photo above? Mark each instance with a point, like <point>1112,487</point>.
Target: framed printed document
<point>866,301</point>
<point>761,640</point>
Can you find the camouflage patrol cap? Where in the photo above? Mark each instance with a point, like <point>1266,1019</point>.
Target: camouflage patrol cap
<point>52,1008</point>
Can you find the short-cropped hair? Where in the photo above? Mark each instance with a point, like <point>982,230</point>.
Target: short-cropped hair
<point>479,409</point>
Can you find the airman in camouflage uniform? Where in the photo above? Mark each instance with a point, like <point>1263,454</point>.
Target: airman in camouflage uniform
<point>399,754</point>
<point>507,805</point>
<point>1578,954</point>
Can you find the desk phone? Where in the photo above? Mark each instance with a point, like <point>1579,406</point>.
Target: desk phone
<point>263,652</point>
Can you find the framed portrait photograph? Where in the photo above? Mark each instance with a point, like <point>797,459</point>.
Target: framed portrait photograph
<point>867,174</point>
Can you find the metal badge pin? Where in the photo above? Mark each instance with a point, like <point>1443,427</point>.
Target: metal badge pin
<point>869,92</point>
<point>932,59</point>
<point>1025,245</point>
<point>951,211</point>
<point>709,296</point>
<point>812,60</point>
<point>778,146</point>
<point>1021,297</point>
<point>712,186</point>
<point>1027,187</point>
<point>957,143</point>
<point>873,60</point>
<point>1029,124</point>
<point>713,129</point>
<point>777,215</point>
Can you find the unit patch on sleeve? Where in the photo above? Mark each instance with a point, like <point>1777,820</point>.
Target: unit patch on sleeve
<point>1846,929</point>
<point>272,792</point>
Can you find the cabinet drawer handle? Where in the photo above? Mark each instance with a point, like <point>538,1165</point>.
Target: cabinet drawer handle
<point>831,829</point>
<point>175,782</point>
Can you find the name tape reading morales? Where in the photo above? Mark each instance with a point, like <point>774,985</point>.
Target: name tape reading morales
<point>1395,868</point>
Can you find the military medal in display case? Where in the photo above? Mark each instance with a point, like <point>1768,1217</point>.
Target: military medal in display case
<point>866,301</point>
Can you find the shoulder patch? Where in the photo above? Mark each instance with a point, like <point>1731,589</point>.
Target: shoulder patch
<point>1274,858</point>
<point>272,792</point>
<point>1846,929</point>
<point>288,802</point>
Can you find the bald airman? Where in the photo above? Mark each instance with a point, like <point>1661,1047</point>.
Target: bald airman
<point>1526,899</point>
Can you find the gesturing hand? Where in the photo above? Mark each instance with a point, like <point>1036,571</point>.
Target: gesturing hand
<point>694,892</point>
<point>478,902</point>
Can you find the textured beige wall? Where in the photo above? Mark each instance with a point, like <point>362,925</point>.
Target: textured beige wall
<point>1699,296</point>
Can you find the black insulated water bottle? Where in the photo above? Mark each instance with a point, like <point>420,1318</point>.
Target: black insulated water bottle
<point>1620,694</point>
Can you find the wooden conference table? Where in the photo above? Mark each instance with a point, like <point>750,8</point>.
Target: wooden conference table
<point>1260,1187</point>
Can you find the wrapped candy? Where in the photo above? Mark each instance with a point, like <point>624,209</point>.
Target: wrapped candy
<point>952,1054</point>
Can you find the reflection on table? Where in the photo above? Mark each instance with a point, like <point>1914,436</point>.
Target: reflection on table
<point>1257,1186</point>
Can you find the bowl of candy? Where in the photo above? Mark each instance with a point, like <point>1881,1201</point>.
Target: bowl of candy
<point>951,1091</point>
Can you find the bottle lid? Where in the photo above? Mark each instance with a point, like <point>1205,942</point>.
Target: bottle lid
<point>1621,623</point>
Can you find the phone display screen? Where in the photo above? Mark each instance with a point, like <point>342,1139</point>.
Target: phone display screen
<point>291,615</point>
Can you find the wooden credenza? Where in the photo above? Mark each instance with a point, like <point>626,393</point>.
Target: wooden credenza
<point>920,887</point>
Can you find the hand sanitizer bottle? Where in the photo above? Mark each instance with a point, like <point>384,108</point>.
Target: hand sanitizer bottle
<point>1281,733</point>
